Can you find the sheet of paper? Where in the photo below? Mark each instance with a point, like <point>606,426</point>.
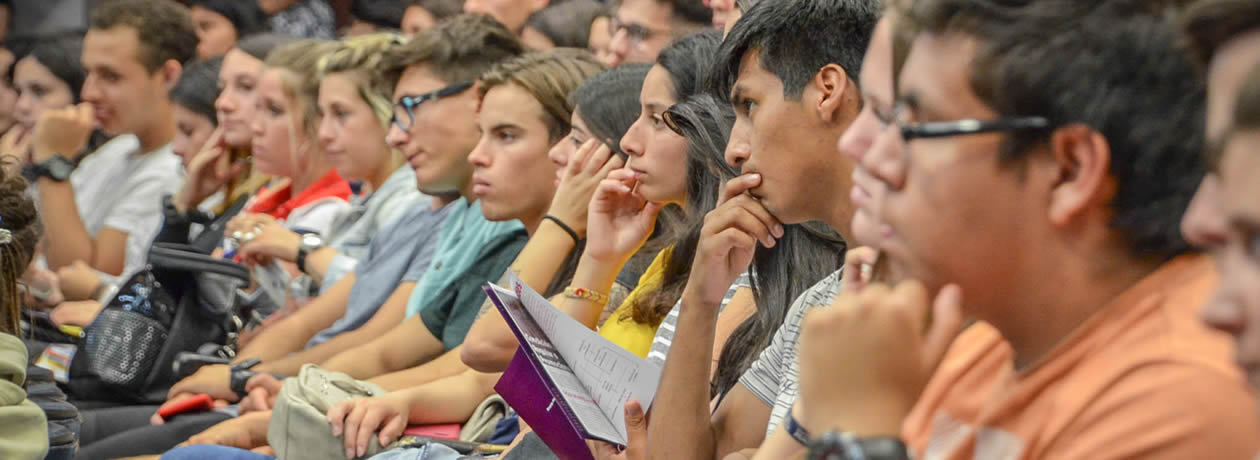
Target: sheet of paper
<point>589,414</point>
<point>611,374</point>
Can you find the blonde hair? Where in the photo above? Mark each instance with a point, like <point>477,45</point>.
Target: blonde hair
<point>300,82</point>
<point>548,76</point>
<point>361,58</point>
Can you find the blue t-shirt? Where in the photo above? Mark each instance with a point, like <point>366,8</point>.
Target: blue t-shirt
<point>471,252</point>
<point>399,253</point>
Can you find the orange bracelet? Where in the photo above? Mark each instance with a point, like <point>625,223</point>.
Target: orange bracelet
<point>589,295</point>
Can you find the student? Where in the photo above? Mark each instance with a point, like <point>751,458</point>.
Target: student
<point>106,212</point>
<point>792,102</point>
<point>23,426</point>
<point>566,25</point>
<point>423,14</point>
<point>1089,372</point>
<point>49,77</point>
<point>8,94</point>
<point>374,16</point>
<point>640,29</point>
<point>193,96</point>
<point>513,14</point>
<point>354,118</point>
<point>725,13</point>
<point>221,23</point>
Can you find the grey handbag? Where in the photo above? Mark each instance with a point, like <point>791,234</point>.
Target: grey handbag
<point>299,427</point>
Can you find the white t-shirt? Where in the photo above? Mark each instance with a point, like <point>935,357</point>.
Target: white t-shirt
<point>119,188</point>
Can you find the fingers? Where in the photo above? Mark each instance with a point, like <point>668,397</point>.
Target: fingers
<point>856,275</point>
<point>215,139</point>
<point>577,163</point>
<point>944,325</point>
<point>371,421</point>
<point>737,186</point>
<point>392,430</point>
<point>337,416</point>
<point>597,159</point>
<point>636,430</point>
<point>156,419</point>
<point>351,428</point>
<point>613,164</point>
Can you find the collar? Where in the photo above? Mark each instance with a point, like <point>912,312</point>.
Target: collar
<point>280,203</point>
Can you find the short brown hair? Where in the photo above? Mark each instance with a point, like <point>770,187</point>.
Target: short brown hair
<point>1209,24</point>
<point>163,27</point>
<point>549,77</point>
<point>457,49</point>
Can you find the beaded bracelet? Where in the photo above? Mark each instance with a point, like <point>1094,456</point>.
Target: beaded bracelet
<point>589,295</point>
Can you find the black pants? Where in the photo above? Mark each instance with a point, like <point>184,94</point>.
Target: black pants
<point>126,432</point>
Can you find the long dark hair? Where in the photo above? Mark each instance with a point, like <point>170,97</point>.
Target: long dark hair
<point>197,88</point>
<point>609,102</point>
<point>687,61</point>
<point>61,57</point>
<point>804,255</point>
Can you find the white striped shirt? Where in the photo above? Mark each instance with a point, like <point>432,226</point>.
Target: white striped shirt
<point>665,333</point>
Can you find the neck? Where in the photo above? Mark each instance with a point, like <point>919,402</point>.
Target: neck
<point>1058,299</point>
<point>387,169</point>
<point>532,221</point>
<point>442,199</point>
<point>158,133</point>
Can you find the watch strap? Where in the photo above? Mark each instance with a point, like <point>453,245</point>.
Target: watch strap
<point>845,446</point>
<point>795,429</point>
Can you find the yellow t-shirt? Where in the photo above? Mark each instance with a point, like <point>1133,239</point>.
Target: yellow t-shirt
<point>620,328</point>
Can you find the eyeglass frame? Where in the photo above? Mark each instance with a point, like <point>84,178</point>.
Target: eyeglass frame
<point>409,103</point>
<point>636,33</point>
<point>964,127</point>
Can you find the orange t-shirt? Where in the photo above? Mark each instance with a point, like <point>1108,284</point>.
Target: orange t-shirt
<point>1141,379</point>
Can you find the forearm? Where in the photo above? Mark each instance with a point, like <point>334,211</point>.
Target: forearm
<point>444,366</point>
<point>291,334</point>
<point>408,345</point>
<point>490,343</point>
<point>594,275</point>
<point>67,237</point>
<point>780,445</point>
<point>317,262</point>
<point>292,363</point>
<point>450,400</point>
<point>682,401</point>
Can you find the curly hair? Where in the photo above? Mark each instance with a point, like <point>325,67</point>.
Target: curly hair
<point>19,218</point>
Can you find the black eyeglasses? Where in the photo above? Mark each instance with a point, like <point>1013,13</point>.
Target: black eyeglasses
<point>637,33</point>
<point>936,129</point>
<point>674,121</point>
<point>409,103</point>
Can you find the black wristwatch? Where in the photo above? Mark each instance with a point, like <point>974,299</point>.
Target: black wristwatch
<point>241,374</point>
<point>57,168</point>
<point>311,242</point>
<point>846,446</point>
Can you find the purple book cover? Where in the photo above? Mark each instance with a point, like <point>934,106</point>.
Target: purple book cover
<point>526,387</point>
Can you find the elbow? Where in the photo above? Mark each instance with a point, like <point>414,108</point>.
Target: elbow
<point>486,355</point>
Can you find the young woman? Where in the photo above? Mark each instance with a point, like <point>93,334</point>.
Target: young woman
<point>193,97</point>
<point>355,114</point>
<point>49,77</point>
<point>221,23</point>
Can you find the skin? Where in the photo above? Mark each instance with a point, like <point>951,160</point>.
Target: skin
<point>877,98</point>
<point>192,130</point>
<point>276,127</point>
<point>650,14</point>
<point>126,96</point>
<point>235,105</point>
<point>656,152</point>
<point>600,35</point>
<point>1235,308</point>
<point>38,90</point>
<point>511,176</point>
<point>416,20</point>
<point>215,33</point>
<point>722,11</point>
<point>438,143</point>
<point>352,135</point>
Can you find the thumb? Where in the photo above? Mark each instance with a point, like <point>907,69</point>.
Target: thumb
<point>636,422</point>
<point>652,209</point>
<point>944,325</point>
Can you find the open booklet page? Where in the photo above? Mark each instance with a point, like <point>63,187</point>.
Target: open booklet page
<point>611,374</point>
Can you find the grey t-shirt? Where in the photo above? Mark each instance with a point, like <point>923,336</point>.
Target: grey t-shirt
<point>773,376</point>
<point>399,253</point>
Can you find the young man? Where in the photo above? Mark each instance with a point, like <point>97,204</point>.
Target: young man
<point>439,135</point>
<point>1048,203</point>
<point>104,209</point>
<point>789,68</point>
<point>642,28</point>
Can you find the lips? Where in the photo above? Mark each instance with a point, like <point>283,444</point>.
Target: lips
<point>480,186</point>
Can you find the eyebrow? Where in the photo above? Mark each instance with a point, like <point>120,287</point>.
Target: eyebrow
<point>656,106</point>
<point>737,93</point>
<point>502,126</point>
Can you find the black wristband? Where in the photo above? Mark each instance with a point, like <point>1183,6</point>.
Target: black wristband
<point>794,428</point>
<point>564,226</point>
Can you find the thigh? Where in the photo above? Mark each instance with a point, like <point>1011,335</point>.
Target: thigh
<point>208,452</point>
<point>151,439</point>
<point>99,424</point>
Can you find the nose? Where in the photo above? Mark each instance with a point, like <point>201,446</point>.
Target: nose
<point>225,103</point>
<point>559,153</point>
<point>25,103</point>
<point>632,143</point>
<point>256,125</point>
<point>397,138</point>
<point>479,157</point>
<point>90,92</point>
<point>738,149</point>
<point>857,140</point>
<point>619,45</point>
<point>885,159</point>
<point>1204,224</point>
<point>327,131</point>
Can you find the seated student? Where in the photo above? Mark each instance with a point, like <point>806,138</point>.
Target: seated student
<point>423,14</point>
<point>524,99</point>
<point>23,426</point>
<point>49,77</point>
<point>354,119</point>
<point>640,29</point>
<point>222,23</point>
<point>1089,374</point>
<point>193,98</point>
<point>310,19</point>
<point>793,98</point>
<point>565,25</point>
<point>8,94</point>
<point>105,211</point>
<point>725,13</point>
<point>374,16</point>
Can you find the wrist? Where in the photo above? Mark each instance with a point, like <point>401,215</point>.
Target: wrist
<point>869,417</point>
<point>595,274</point>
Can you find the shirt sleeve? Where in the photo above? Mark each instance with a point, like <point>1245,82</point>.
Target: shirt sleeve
<point>317,217</point>
<point>457,308</point>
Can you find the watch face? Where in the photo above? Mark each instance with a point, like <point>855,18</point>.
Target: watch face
<point>311,240</point>
<point>60,169</point>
